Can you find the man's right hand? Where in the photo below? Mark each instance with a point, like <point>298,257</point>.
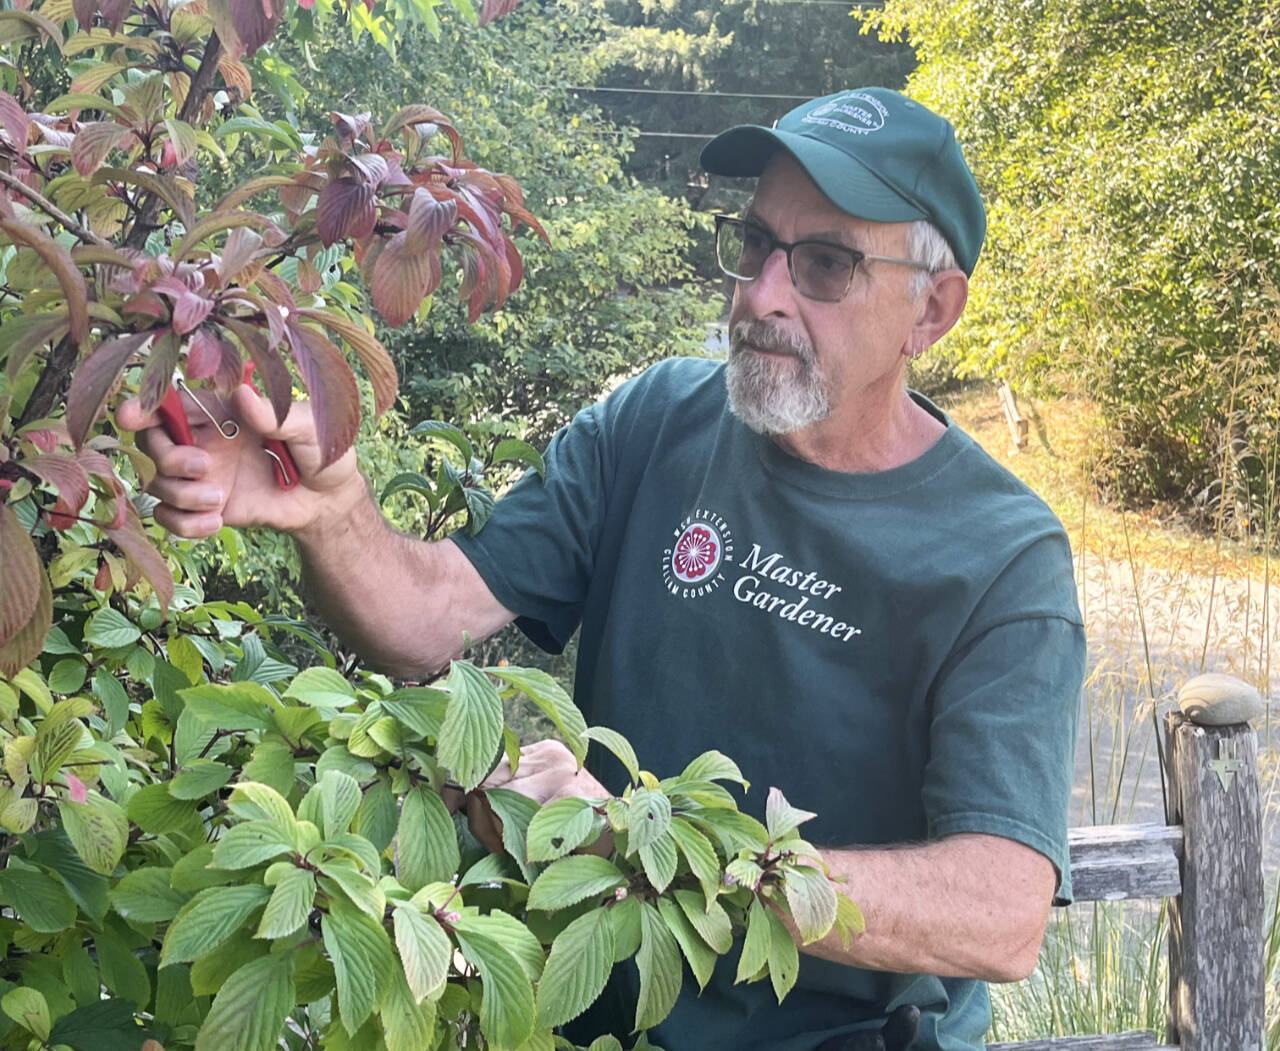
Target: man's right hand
<point>231,481</point>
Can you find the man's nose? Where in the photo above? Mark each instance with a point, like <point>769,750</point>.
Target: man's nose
<point>771,293</point>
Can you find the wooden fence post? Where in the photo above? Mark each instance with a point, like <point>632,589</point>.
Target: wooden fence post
<point>1216,927</point>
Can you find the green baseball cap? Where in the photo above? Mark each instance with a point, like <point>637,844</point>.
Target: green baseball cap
<point>876,154</point>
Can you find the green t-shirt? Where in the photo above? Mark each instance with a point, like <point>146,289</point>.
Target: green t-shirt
<point>899,651</point>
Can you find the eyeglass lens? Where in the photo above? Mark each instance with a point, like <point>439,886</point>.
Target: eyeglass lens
<point>820,271</point>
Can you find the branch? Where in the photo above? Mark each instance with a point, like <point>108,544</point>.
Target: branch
<point>51,209</point>
<point>53,382</point>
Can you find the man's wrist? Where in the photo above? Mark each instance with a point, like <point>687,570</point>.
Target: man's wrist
<point>340,511</point>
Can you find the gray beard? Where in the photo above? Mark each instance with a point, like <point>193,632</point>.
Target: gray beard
<point>774,397</point>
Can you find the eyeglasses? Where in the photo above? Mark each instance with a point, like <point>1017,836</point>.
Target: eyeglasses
<point>819,270</point>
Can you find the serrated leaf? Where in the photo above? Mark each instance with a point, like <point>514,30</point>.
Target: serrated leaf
<point>552,700</point>
<point>209,919</point>
<point>110,628</point>
<point>407,1024</point>
<point>713,766</point>
<point>511,934</point>
<point>849,920</point>
<point>577,968</point>
<point>648,818</point>
<point>103,1025</point>
<point>39,901</point>
<point>250,843</point>
<point>658,961</point>
<point>701,957</point>
<point>340,794</point>
<point>321,688</point>
<point>755,947</point>
<point>98,830</point>
<point>811,897</point>
<point>571,880</point>
<point>449,433</point>
<point>425,951</point>
<point>251,1007</point>
<point>420,709</point>
<point>289,905</point>
<point>230,706</point>
<point>699,854</point>
<point>358,887</point>
<point>257,802</point>
<point>784,957</point>
<point>560,828</point>
<point>122,972</point>
<point>361,955</point>
<point>506,1010</point>
<point>154,810</point>
<point>708,918</point>
<point>146,896</point>
<point>198,778</point>
<point>29,1009</point>
<point>472,731</point>
<point>659,862</point>
<point>618,745</point>
<point>624,917</point>
<point>781,817</point>
<point>512,449</point>
<point>426,843</point>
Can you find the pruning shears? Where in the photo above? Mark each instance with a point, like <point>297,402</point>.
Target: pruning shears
<point>173,417</point>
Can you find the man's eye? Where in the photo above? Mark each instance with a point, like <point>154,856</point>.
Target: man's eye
<point>826,261</point>
<point>754,240</point>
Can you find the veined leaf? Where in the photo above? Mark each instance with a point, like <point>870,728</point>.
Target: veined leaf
<point>322,688</point>
<point>701,957</point>
<point>244,845</point>
<point>372,354</point>
<point>849,919</point>
<point>122,971</point>
<point>340,796</point>
<point>426,843</point>
<point>713,766</point>
<point>511,934</point>
<point>577,968</point>
<point>618,745</point>
<point>560,828</point>
<point>510,449</point>
<point>98,829</point>
<point>209,919</point>
<point>146,896</point>
<point>29,1009</point>
<point>449,433</point>
<point>407,1024</point>
<point>358,888</point>
<point>420,709</point>
<point>425,951</point>
<point>708,918</point>
<point>290,904</point>
<point>784,957</point>
<point>659,861</point>
<point>472,730</point>
<point>553,701</point>
<point>198,778</point>
<point>256,802</point>
<point>811,897</point>
<point>39,901</point>
<point>506,1011</point>
<point>230,706</point>
<point>648,818</point>
<point>699,854</point>
<point>250,1009</point>
<point>781,817</point>
<point>571,880</point>
<point>63,269</point>
<point>756,945</point>
<point>335,398</point>
<point>362,961</point>
<point>153,810</point>
<point>624,917</point>
<point>660,972</point>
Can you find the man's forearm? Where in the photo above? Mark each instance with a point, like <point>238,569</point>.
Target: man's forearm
<point>966,906</point>
<point>402,603</point>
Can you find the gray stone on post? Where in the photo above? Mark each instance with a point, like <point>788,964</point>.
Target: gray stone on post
<point>1214,699</point>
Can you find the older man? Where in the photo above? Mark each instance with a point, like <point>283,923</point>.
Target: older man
<point>789,557</point>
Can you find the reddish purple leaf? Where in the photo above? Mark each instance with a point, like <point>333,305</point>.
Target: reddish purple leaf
<point>204,355</point>
<point>63,267</point>
<point>402,280</point>
<point>514,263</point>
<point>94,379</point>
<point>130,538</point>
<point>84,12</point>
<point>14,120</point>
<point>157,374</point>
<point>189,311</point>
<point>20,574</point>
<point>370,168</point>
<point>351,127</point>
<point>238,252</point>
<point>429,220</point>
<point>255,21</point>
<point>94,141</point>
<point>491,9</point>
<point>381,369</point>
<point>26,645</point>
<point>309,278</point>
<point>114,12</point>
<point>273,374</point>
<point>66,475</point>
<point>347,208</point>
<point>335,398</point>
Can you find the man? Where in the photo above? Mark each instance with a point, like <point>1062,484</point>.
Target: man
<point>790,558</point>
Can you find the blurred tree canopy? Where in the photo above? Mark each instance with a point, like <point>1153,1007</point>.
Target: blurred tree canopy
<point>1129,154</point>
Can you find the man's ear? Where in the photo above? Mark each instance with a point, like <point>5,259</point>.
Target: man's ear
<point>938,309</point>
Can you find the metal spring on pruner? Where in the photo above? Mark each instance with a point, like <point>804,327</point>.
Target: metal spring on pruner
<point>227,428</point>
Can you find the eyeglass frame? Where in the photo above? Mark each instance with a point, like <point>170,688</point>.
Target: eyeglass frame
<point>858,257</point>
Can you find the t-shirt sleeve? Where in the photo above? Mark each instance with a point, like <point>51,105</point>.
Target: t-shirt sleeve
<point>537,552</point>
<point>1002,748</point>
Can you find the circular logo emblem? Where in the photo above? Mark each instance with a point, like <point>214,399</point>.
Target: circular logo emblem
<point>697,553</point>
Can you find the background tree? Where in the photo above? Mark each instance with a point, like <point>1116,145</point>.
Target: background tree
<point>1129,158</point>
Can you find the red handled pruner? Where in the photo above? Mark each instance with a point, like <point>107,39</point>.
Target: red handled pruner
<point>173,417</point>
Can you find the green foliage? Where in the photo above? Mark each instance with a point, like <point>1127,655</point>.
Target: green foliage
<point>1129,159</point>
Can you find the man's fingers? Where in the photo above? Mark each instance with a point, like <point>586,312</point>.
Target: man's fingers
<point>186,524</point>
<point>257,412</point>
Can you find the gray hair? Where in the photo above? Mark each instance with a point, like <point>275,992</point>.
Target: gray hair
<point>926,245</point>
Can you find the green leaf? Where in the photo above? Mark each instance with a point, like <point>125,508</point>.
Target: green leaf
<point>272,764</point>
<point>784,957</point>
<point>376,818</point>
<point>104,1025</point>
<point>122,972</point>
<point>420,709</point>
<point>448,432</point>
<point>194,871</point>
<point>356,847</point>
<point>512,449</point>
<point>699,854</point>
<point>358,888</point>
<point>648,818</point>
<point>713,766</point>
<point>251,1007</point>
<point>661,975</point>
<point>659,862</point>
<point>154,810</point>
<point>29,1009</point>
<point>209,919</point>
<point>624,917</point>
<point>413,482</point>
<point>52,849</point>
<point>251,843</point>
<point>146,896</point>
<point>340,794</point>
<point>40,902</point>
<point>516,811</point>
<point>571,880</point>
<point>511,934</point>
<point>553,701</point>
<point>560,828</point>
<point>257,802</point>
<point>577,968</point>
<point>506,1010</point>
<point>67,676</point>
<point>781,817</point>
<point>198,778</point>
<point>849,919</point>
<point>735,831</point>
<point>407,1024</point>
<point>98,829</point>
<point>618,745</point>
<point>425,951</point>
<point>701,957</point>
<point>290,904</point>
<point>114,700</point>
<point>426,843</point>
<point>361,955</point>
<point>322,688</point>
<point>472,730</point>
<point>708,918</point>
<point>811,897</point>
<point>230,706</point>
<point>756,945</point>
<point>109,629</point>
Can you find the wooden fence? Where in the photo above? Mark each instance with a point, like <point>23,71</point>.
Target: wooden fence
<point>1207,863</point>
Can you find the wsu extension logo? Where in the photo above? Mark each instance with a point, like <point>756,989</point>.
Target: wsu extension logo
<point>701,545</point>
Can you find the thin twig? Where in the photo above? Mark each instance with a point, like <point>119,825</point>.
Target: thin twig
<point>46,205</point>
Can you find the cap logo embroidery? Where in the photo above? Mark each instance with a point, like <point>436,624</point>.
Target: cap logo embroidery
<point>858,119</point>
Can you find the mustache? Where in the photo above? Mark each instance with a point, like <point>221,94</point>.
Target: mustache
<point>760,335</point>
